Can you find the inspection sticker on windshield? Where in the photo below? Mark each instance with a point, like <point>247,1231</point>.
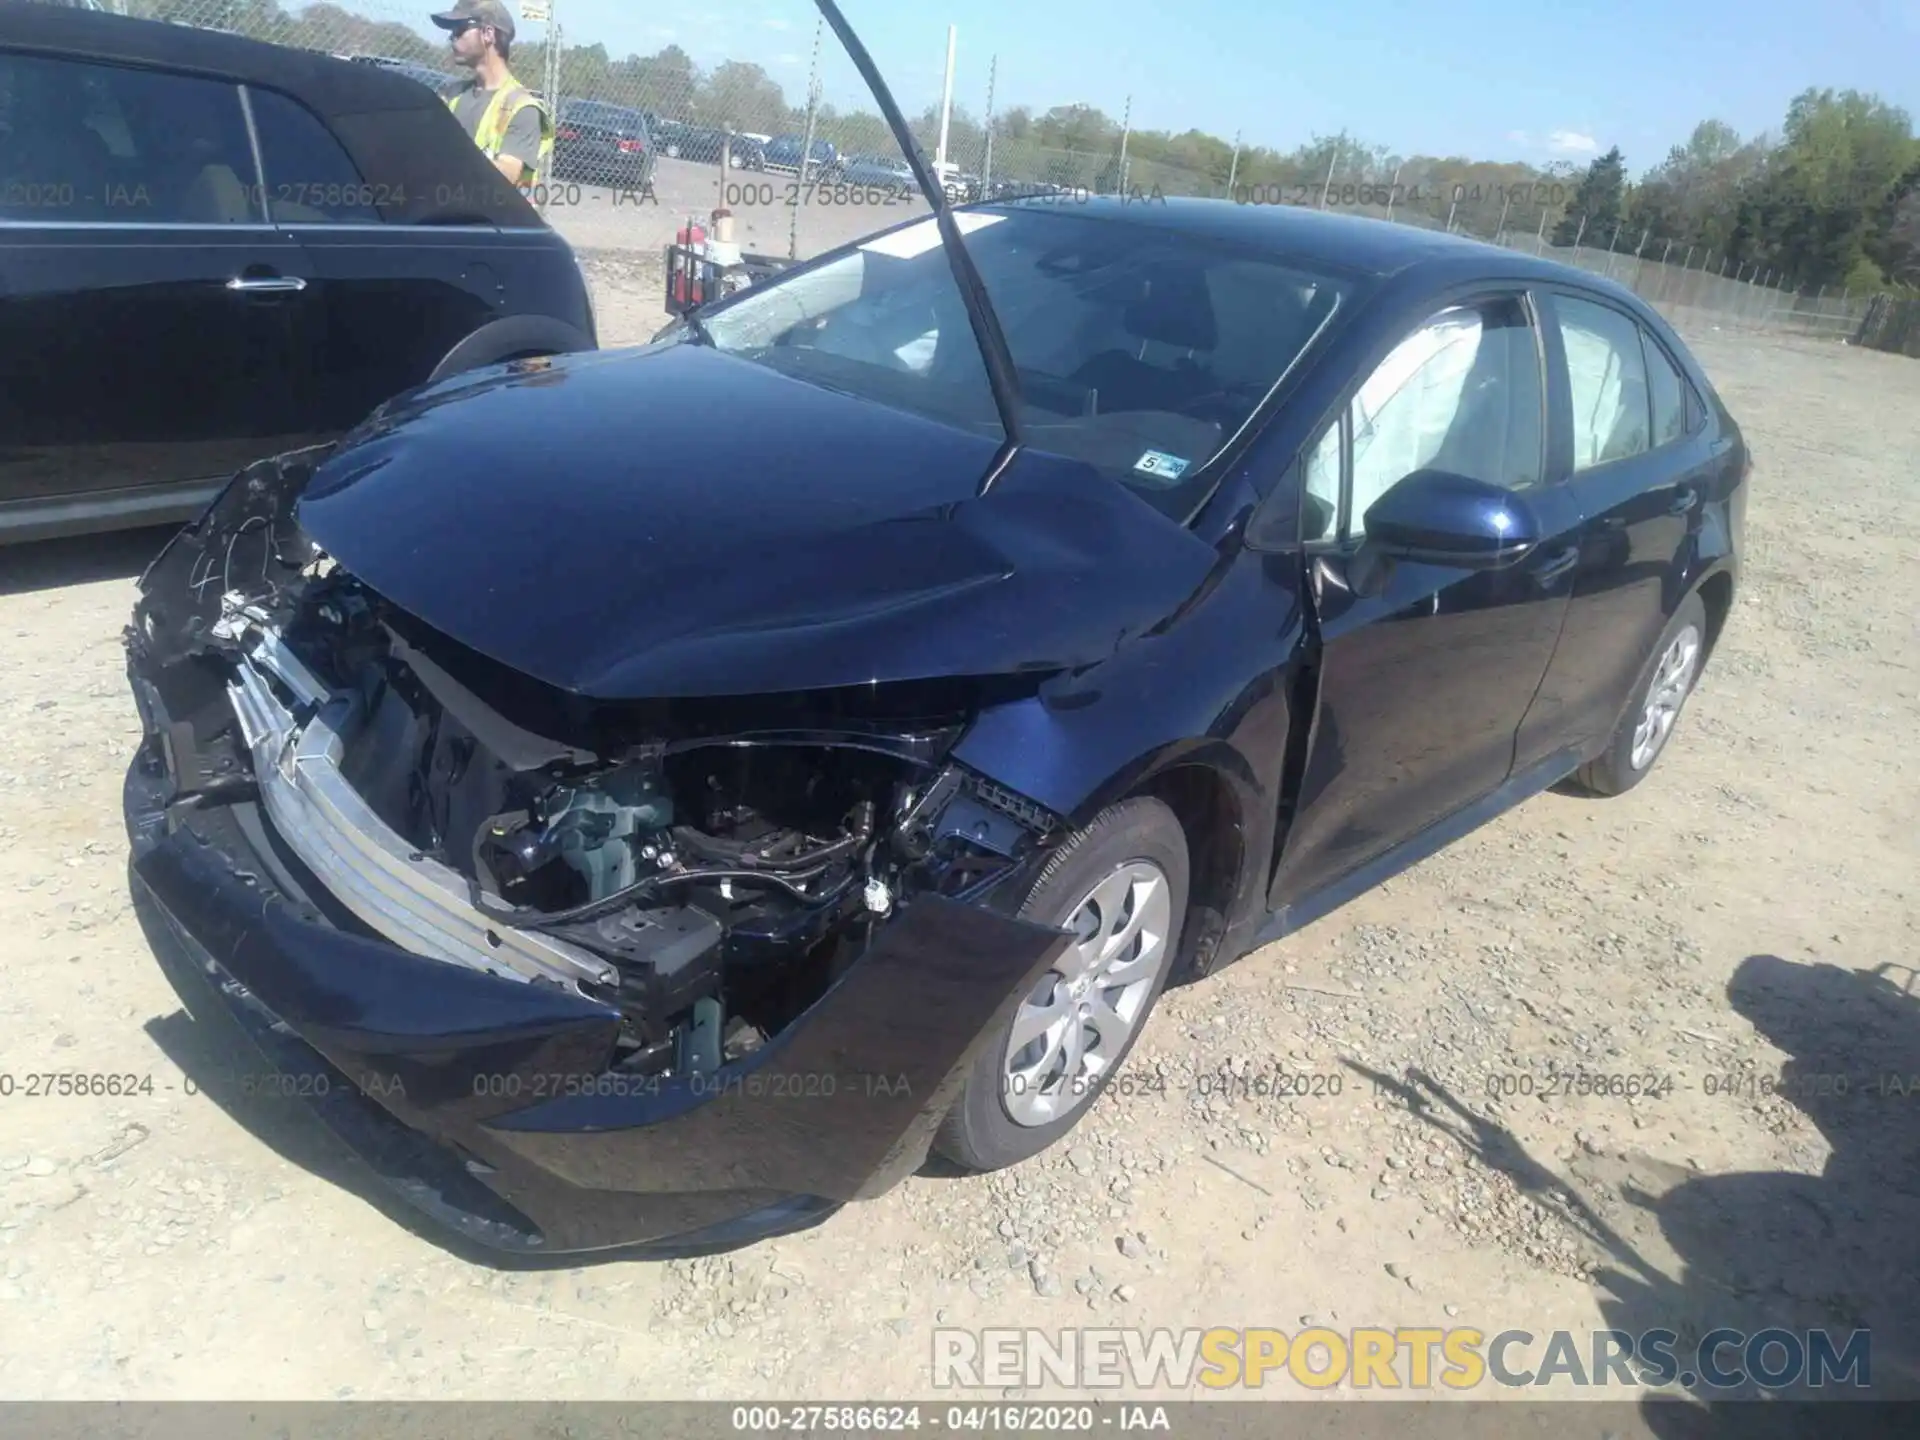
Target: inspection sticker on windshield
<point>1160,465</point>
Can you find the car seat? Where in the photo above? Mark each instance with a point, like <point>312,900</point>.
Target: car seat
<point>1169,306</point>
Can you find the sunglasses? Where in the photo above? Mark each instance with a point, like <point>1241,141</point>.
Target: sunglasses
<point>460,27</point>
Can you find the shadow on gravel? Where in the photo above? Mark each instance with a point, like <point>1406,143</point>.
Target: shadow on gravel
<point>81,560</point>
<point>1836,1252</point>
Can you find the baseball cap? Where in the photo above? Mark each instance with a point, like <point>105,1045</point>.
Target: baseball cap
<point>483,12</point>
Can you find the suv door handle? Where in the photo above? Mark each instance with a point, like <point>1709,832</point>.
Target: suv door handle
<point>1684,500</point>
<point>1553,571</point>
<point>266,284</point>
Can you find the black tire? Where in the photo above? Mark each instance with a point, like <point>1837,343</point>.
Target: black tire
<point>1613,772</point>
<point>979,1133</point>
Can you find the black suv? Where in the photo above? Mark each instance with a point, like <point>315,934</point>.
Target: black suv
<point>213,249</point>
<point>601,144</point>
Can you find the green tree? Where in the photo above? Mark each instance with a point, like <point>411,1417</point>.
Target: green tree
<point>1822,199</point>
<point>664,82</point>
<point>1598,203</point>
<point>744,97</point>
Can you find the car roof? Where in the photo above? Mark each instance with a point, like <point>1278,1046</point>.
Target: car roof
<point>1306,236</point>
<point>327,85</point>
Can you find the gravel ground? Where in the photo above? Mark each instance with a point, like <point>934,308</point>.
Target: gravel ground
<point>1745,914</point>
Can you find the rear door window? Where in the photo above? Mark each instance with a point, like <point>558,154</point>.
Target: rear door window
<point>310,179</point>
<point>1668,392</point>
<point>1607,374</point>
<point>104,143</point>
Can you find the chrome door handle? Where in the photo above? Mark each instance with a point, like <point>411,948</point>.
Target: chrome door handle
<point>266,284</point>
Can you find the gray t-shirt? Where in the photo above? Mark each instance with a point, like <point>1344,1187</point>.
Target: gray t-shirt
<point>523,131</point>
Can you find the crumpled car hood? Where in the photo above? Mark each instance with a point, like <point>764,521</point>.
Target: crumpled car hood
<point>673,522</point>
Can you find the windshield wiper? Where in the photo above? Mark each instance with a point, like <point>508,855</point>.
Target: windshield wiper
<point>973,291</point>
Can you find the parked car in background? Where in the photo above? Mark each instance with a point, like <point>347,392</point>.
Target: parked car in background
<point>600,144</point>
<point>962,187</point>
<point>704,144</point>
<point>718,817</point>
<point>212,247</point>
<point>892,173</point>
<point>783,153</point>
<point>1011,188</point>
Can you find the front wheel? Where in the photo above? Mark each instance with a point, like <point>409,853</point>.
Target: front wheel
<point>1650,719</point>
<point>1120,887</point>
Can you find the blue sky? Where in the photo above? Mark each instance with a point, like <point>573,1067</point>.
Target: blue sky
<point>1491,79</point>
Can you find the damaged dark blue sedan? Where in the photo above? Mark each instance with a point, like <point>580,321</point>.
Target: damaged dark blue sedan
<point>669,792</point>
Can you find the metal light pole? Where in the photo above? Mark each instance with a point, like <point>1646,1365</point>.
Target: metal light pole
<point>1393,191</point>
<point>946,105</point>
<point>1326,188</point>
<point>1233,165</point>
<point>1126,134</point>
<point>986,163</point>
<point>551,84</point>
<point>806,144</point>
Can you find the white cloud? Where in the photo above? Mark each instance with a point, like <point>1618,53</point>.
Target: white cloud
<point>786,59</point>
<point>777,24</point>
<point>1560,142</point>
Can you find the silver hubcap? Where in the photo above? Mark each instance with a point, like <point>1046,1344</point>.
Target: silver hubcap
<point>1672,679</point>
<point>1069,1033</point>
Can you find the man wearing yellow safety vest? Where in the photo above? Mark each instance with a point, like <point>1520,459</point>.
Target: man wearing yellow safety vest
<point>510,126</point>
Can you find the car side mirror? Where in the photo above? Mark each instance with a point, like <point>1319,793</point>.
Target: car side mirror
<point>1435,517</point>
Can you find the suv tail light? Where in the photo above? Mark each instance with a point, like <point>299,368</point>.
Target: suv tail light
<point>568,134</point>
<point>631,147</point>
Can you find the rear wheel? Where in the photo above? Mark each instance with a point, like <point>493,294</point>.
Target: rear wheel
<point>1650,720</point>
<point>1120,886</point>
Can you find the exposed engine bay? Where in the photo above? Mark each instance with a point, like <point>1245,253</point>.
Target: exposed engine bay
<point>709,870</point>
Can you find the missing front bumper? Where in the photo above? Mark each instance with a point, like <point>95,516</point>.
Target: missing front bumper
<point>455,1083</point>
<point>475,1063</point>
<point>408,897</point>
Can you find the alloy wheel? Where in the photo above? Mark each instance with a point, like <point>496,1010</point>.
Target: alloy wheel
<point>1672,680</point>
<point>1071,1030</point>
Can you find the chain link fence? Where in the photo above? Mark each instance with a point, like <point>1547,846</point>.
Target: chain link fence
<point>765,115</point>
<point>1704,290</point>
